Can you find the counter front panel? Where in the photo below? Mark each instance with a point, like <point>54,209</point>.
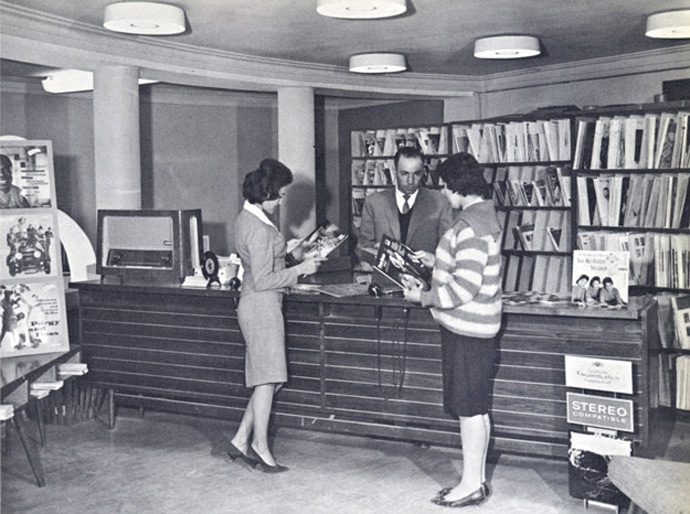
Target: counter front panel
<point>359,365</point>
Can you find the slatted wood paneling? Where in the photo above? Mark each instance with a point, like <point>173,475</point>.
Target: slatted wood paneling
<point>359,365</point>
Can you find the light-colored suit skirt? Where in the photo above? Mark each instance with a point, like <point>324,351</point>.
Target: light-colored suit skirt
<point>261,320</point>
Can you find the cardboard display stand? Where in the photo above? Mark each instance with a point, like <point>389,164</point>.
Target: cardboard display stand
<point>32,290</point>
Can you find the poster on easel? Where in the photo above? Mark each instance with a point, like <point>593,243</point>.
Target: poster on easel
<point>32,289</point>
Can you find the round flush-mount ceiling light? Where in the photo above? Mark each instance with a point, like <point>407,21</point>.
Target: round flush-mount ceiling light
<point>669,25</point>
<point>506,47</point>
<point>377,63</point>
<point>361,9</point>
<point>144,18</point>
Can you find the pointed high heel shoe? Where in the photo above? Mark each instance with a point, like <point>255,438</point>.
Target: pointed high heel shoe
<point>238,457</point>
<point>474,498</point>
<point>235,453</point>
<point>262,464</point>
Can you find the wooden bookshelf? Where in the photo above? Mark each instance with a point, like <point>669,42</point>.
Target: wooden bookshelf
<point>528,163</point>
<point>632,190</point>
<point>632,170</point>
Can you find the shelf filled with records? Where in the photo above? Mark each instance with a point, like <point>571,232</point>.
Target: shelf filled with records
<point>674,332</point>
<point>632,179</point>
<point>657,140</point>
<point>385,142</point>
<point>513,141</point>
<point>373,168</point>
<point>534,207</point>
<point>528,163</point>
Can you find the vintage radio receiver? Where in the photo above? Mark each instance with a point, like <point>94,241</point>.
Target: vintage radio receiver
<point>148,246</point>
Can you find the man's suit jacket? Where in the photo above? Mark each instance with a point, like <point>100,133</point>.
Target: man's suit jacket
<point>431,216</point>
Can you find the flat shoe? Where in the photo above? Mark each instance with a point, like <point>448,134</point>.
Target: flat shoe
<point>261,464</point>
<point>446,490</point>
<point>441,494</point>
<point>474,498</point>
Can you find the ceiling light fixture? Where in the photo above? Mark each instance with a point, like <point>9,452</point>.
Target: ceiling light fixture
<point>506,47</point>
<point>74,81</point>
<point>377,63</point>
<point>144,18</point>
<point>669,25</point>
<point>361,9</point>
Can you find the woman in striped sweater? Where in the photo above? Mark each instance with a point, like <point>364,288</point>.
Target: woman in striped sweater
<point>465,300</point>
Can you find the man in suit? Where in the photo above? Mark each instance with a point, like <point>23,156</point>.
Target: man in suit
<point>415,216</point>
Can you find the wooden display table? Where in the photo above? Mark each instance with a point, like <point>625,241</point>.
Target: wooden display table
<point>357,365</point>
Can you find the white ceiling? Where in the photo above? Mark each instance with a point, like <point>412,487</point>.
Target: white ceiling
<point>437,36</point>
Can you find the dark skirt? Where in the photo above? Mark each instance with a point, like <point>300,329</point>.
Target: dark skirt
<point>468,367</point>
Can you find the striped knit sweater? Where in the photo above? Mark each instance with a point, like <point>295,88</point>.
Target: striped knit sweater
<point>465,294</point>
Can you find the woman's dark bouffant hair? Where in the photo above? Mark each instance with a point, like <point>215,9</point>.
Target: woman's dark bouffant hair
<point>264,183</point>
<point>463,174</point>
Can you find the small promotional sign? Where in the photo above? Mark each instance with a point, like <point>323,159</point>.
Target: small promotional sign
<point>600,445</point>
<point>599,411</point>
<point>598,374</point>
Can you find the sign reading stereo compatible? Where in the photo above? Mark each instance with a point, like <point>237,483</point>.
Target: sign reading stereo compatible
<point>599,411</point>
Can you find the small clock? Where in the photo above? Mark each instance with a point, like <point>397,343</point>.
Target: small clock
<point>210,267</point>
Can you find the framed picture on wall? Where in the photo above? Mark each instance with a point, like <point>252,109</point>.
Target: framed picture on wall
<point>26,177</point>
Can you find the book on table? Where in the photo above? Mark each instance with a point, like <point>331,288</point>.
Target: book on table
<point>320,243</point>
<point>396,260</point>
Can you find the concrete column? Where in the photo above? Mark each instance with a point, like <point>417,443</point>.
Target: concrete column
<point>296,151</point>
<point>116,137</point>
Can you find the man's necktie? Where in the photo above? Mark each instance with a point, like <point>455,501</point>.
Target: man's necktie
<point>406,206</point>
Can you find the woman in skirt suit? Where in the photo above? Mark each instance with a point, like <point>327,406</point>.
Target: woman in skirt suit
<point>465,300</point>
<point>262,250</point>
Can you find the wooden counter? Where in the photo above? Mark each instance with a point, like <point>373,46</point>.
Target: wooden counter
<point>357,365</point>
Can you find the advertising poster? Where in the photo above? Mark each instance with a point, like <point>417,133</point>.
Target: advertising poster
<point>33,318</point>
<point>25,178</point>
<point>32,291</point>
<point>605,273</point>
<point>29,249</point>
<point>599,374</point>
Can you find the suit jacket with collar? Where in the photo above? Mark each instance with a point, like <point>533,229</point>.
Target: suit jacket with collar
<point>431,216</point>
